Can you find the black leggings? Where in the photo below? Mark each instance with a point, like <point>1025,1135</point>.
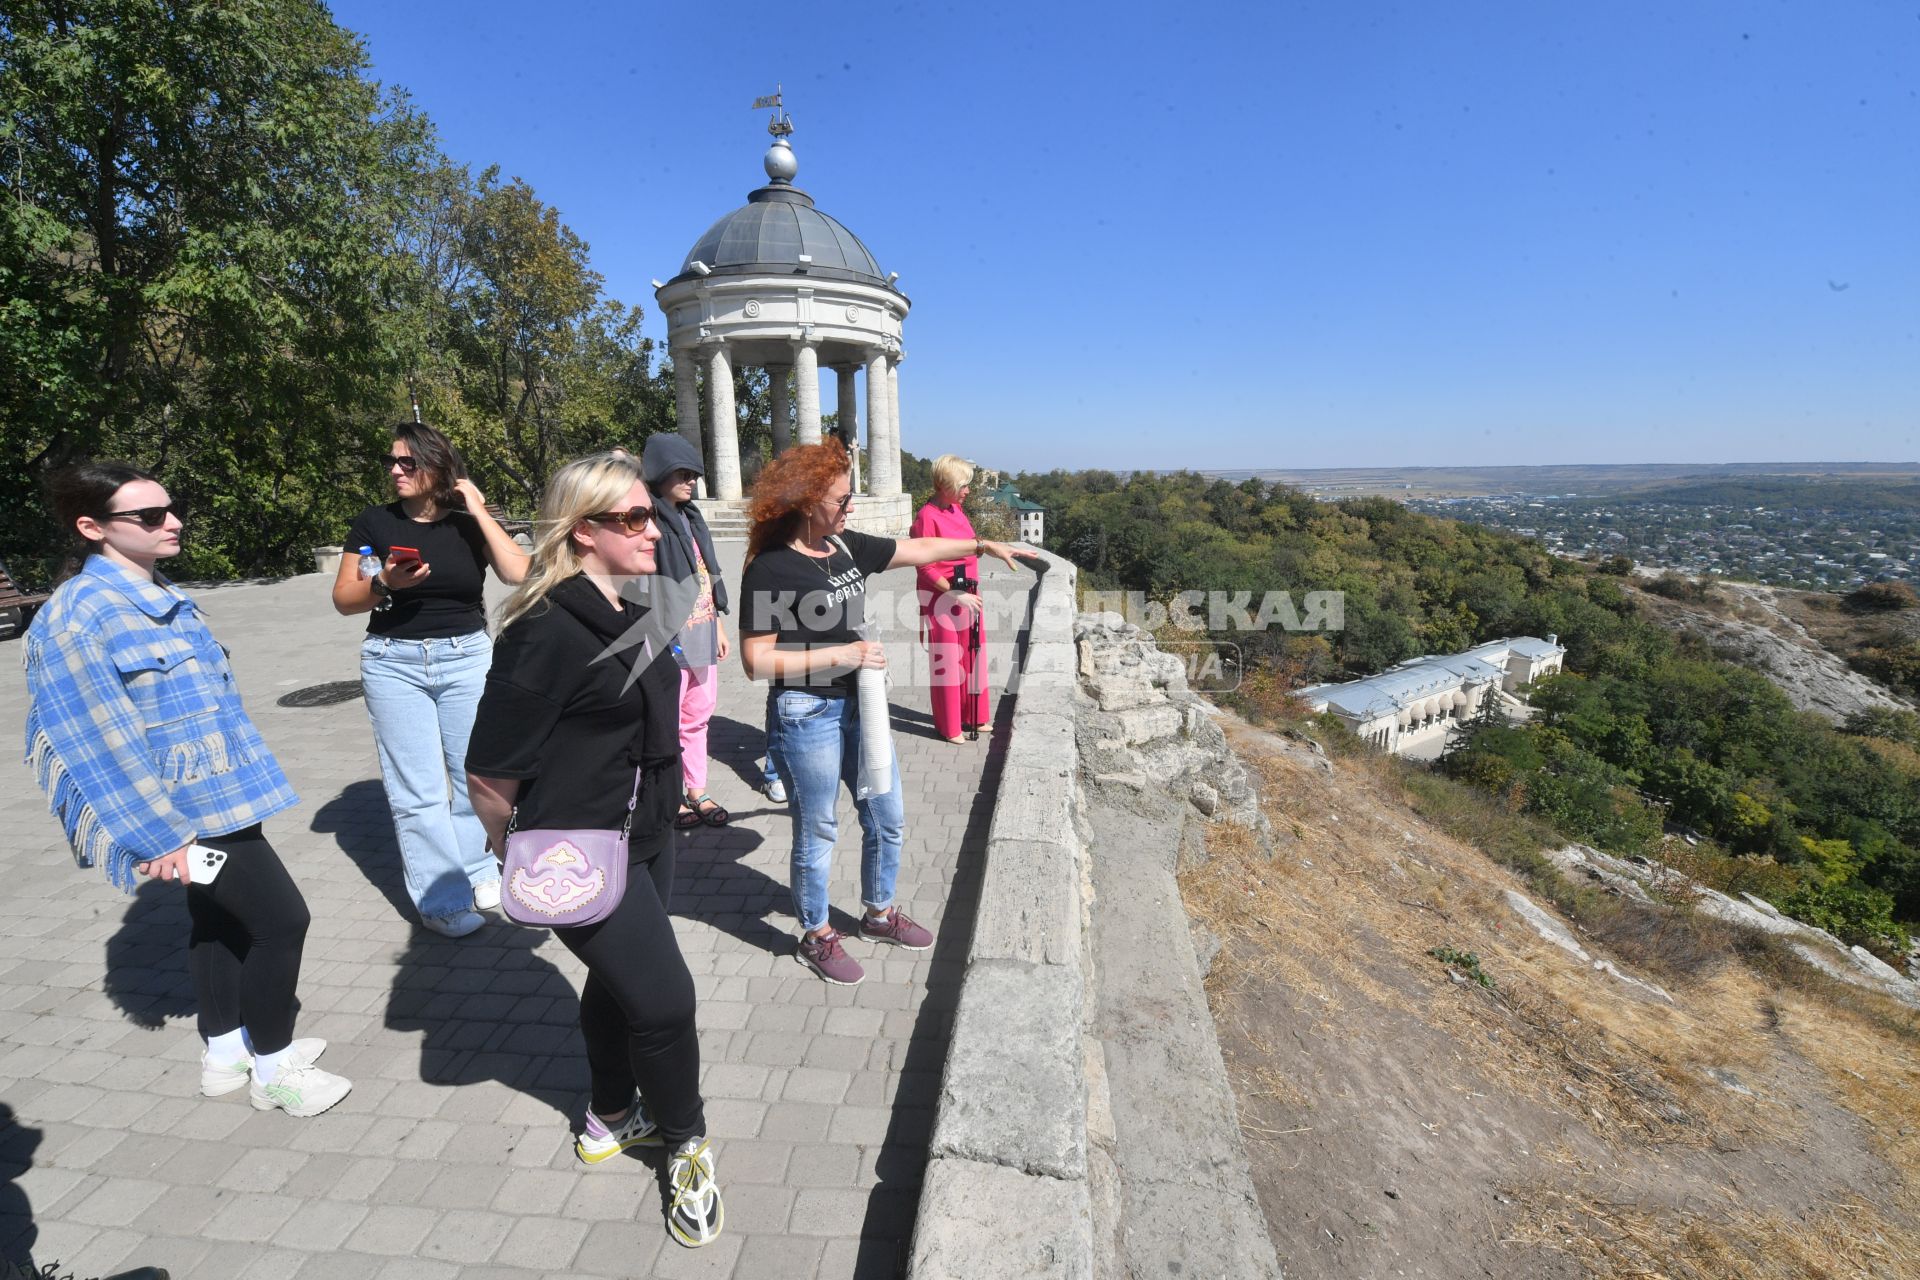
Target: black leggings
<point>636,1009</point>
<point>249,928</point>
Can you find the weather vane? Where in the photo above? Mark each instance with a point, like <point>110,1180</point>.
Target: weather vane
<point>782,124</point>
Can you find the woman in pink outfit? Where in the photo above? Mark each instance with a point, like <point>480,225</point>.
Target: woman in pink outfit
<point>946,615</point>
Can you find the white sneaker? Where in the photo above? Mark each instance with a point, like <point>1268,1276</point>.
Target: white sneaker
<point>216,1080</point>
<point>776,791</point>
<point>696,1214</point>
<point>486,896</point>
<point>598,1141</point>
<point>457,925</point>
<point>299,1090</point>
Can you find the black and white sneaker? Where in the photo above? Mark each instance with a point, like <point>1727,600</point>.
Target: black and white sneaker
<point>696,1214</point>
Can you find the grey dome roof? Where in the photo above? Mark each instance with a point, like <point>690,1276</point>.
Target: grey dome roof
<point>776,225</point>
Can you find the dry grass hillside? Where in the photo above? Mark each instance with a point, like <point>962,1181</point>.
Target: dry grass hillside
<point>1429,1089</point>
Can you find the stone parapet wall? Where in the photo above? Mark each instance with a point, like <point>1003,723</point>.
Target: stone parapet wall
<point>1006,1189</point>
<point>1052,1133</point>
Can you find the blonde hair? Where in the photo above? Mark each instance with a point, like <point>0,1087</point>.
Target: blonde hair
<point>951,473</point>
<point>584,487</point>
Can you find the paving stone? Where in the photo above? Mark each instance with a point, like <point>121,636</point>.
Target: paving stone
<point>825,1211</point>
<point>705,1263</point>
<point>622,1248</point>
<point>392,1229</point>
<point>321,1226</point>
<point>452,1157</point>
<point>251,1218</point>
<point>779,1257</point>
<point>542,1243</point>
<point>467,1236</point>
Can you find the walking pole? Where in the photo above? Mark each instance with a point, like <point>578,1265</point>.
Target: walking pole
<point>970,717</point>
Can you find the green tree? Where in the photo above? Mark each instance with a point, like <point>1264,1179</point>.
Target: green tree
<point>518,317</point>
<point>195,236</point>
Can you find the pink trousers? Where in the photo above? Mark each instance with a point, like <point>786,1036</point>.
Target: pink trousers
<point>699,694</point>
<point>949,666</point>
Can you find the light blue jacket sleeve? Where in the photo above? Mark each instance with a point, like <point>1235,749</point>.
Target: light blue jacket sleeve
<point>87,747</point>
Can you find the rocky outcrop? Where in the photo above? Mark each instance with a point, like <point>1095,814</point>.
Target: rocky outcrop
<point>1147,728</point>
<point>1812,677</point>
<point>1548,926</point>
<point>1634,876</point>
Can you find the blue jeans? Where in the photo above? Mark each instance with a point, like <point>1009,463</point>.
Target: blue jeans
<point>816,749</point>
<point>768,773</point>
<point>421,696</point>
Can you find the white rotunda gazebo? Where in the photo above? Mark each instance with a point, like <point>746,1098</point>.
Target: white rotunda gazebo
<point>779,284</point>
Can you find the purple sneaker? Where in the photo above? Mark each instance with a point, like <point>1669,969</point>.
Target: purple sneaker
<point>826,957</point>
<point>894,927</point>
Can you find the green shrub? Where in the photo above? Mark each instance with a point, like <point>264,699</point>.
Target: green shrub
<point>1852,913</point>
<point>1883,596</point>
<point>1675,586</point>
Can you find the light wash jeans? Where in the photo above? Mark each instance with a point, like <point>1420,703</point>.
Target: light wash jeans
<point>769,774</point>
<point>816,749</point>
<point>421,696</point>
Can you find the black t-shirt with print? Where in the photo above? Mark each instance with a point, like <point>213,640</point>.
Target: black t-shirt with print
<point>811,603</point>
<point>449,602</point>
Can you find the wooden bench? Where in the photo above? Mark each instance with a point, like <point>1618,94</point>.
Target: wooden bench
<point>16,606</point>
<point>514,525</point>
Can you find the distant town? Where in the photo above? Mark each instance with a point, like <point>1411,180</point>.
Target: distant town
<point>1836,545</point>
<point>1826,526</point>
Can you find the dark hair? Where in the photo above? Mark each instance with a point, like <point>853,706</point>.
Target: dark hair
<point>86,489</point>
<point>437,456</point>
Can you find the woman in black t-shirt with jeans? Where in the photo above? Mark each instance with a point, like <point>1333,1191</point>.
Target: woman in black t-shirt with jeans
<point>804,591</point>
<point>582,695</point>
<point>424,662</point>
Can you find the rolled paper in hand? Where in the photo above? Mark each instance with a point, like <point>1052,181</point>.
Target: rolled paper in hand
<point>876,733</point>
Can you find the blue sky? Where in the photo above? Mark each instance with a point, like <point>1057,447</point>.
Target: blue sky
<point>1279,235</point>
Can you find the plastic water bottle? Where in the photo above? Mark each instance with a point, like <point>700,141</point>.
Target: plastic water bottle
<point>370,568</point>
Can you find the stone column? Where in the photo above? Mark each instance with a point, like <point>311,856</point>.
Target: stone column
<point>725,425</point>
<point>849,414</point>
<point>883,475</point>
<point>893,417</point>
<point>686,395</point>
<point>782,406</point>
<point>806,386</point>
<point>686,405</point>
<point>849,402</point>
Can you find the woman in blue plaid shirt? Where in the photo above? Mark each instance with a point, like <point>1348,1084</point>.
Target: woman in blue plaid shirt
<point>136,733</point>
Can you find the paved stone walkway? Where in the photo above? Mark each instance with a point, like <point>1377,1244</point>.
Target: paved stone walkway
<point>452,1157</point>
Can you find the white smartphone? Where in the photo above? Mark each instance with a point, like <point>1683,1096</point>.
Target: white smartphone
<point>204,863</point>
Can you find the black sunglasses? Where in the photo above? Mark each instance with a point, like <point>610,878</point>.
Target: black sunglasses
<point>634,518</point>
<point>149,517</point>
<point>844,503</point>
<point>408,465</point>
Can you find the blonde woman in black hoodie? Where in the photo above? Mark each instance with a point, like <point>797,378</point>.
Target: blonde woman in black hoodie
<point>583,692</point>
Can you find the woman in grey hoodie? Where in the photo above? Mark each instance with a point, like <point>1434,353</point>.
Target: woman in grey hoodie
<point>685,552</point>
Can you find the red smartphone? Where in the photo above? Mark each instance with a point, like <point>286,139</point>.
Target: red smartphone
<point>401,555</point>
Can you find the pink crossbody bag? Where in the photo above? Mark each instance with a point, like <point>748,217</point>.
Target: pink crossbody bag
<point>565,878</point>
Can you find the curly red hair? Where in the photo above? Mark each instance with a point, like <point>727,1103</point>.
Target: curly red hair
<point>789,485</point>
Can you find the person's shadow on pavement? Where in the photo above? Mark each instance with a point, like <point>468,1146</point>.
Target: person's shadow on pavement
<point>713,884</point>
<point>488,1005</point>
<point>17,1230</point>
<point>146,963</point>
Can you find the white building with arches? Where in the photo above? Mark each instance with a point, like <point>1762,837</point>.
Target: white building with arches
<point>1409,708</point>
